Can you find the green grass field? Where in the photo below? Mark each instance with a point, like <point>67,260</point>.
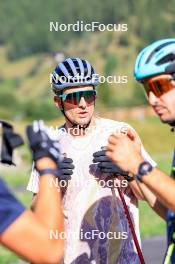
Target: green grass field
<point>157,140</point>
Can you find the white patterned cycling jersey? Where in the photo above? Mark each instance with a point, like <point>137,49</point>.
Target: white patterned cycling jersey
<point>96,228</point>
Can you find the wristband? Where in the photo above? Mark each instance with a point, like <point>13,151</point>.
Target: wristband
<point>49,171</point>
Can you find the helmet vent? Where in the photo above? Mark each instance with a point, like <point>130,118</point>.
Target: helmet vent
<point>76,64</point>
<point>66,64</point>
<point>169,58</point>
<point>85,67</point>
<point>157,49</point>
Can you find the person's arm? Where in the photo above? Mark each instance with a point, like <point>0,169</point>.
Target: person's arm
<point>29,235</point>
<point>152,200</point>
<point>136,190</point>
<point>162,185</point>
<point>120,148</point>
<point>34,199</point>
<point>140,191</point>
<point>65,170</point>
<point>143,193</point>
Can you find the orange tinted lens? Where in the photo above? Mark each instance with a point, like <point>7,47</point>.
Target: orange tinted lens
<point>159,85</point>
<point>147,88</point>
<point>162,86</point>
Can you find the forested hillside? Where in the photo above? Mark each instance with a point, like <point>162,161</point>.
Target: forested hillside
<point>28,45</point>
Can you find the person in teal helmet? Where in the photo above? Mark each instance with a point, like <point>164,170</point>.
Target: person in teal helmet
<point>155,70</point>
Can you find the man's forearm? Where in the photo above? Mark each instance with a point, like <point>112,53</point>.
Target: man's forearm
<point>163,186</point>
<point>152,200</point>
<point>48,202</point>
<point>136,190</point>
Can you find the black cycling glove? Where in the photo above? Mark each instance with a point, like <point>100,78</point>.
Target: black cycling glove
<point>41,143</point>
<point>105,164</point>
<point>65,169</point>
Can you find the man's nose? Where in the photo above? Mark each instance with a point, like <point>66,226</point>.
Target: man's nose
<point>82,103</point>
<point>152,99</point>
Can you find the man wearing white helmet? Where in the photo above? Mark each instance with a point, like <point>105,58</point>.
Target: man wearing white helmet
<point>155,69</point>
<point>97,230</point>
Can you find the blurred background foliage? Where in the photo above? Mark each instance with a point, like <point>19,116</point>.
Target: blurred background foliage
<point>27,48</point>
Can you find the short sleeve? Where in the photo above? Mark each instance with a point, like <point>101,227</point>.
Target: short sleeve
<point>10,207</point>
<point>33,184</point>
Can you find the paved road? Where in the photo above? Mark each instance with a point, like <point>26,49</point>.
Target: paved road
<point>154,249</point>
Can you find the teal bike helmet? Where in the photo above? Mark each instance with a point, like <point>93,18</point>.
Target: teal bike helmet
<point>157,58</point>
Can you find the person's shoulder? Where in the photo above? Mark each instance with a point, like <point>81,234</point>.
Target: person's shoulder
<point>113,123</point>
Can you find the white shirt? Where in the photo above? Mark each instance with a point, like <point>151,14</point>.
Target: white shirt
<point>92,214</point>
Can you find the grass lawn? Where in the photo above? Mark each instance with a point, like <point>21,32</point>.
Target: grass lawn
<point>150,223</point>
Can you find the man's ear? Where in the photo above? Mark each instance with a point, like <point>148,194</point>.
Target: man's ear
<point>57,102</point>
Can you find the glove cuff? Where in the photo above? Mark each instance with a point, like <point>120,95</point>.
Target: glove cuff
<point>41,154</point>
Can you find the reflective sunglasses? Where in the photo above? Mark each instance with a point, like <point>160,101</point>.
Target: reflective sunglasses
<point>75,97</point>
<point>159,85</point>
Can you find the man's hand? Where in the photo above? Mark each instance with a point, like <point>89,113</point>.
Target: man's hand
<point>66,169</point>
<point>125,150</point>
<point>41,144</point>
<point>46,148</point>
<point>106,165</point>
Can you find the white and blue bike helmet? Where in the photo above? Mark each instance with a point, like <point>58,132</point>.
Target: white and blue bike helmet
<point>73,72</point>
